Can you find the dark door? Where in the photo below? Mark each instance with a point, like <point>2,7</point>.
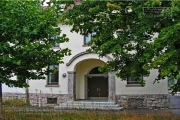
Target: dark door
<point>97,86</point>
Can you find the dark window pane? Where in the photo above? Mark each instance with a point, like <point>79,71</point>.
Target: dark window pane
<point>51,100</point>
<point>53,77</point>
<point>132,80</point>
<point>55,37</point>
<point>56,45</point>
<point>87,39</point>
<point>95,71</point>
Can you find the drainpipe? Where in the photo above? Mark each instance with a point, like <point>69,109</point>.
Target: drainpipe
<point>40,99</point>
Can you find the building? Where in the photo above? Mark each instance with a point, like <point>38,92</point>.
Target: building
<point>79,79</point>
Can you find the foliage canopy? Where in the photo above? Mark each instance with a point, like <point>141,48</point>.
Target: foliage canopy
<point>26,39</point>
<point>138,40</point>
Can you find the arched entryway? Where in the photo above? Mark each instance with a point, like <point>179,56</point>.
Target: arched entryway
<point>97,85</point>
<point>85,71</point>
<point>81,68</point>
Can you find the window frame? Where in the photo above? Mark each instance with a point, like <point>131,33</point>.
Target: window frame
<point>52,99</point>
<point>133,83</point>
<point>56,45</point>
<point>85,36</point>
<point>51,83</point>
<point>85,40</point>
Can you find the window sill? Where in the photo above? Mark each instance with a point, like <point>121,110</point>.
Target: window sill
<point>85,45</point>
<point>134,85</point>
<point>55,47</point>
<point>52,85</point>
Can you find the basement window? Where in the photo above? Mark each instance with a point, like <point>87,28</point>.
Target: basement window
<point>51,100</point>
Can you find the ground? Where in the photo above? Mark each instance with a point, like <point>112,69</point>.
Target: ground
<point>175,105</point>
<point>23,112</point>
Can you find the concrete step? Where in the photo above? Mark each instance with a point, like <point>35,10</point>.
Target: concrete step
<point>89,105</point>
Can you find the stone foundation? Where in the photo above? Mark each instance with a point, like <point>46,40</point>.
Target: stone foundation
<point>151,101</point>
<point>37,99</point>
<point>8,96</point>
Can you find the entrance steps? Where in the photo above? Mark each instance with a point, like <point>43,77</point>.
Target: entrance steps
<point>89,105</point>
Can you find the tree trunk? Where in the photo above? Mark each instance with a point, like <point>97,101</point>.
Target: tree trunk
<point>1,98</point>
<point>27,94</point>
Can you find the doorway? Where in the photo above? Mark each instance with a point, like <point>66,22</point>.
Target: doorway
<point>97,85</point>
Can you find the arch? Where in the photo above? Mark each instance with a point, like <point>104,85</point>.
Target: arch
<point>81,54</point>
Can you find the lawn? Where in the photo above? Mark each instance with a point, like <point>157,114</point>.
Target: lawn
<point>40,114</point>
<point>17,110</point>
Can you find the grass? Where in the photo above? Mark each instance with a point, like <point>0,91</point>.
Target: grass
<point>15,110</point>
<point>40,114</point>
<point>14,102</point>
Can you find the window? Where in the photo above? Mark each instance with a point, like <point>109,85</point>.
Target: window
<point>55,36</point>
<point>132,80</point>
<point>51,100</point>
<point>56,45</point>
<point>53,76</point>
<point>88,38</point>
<point>95,71</point>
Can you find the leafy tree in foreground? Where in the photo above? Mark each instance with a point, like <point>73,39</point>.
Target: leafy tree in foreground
<point>126,30</point>
<point>26,33</point>
<point>26,40</point>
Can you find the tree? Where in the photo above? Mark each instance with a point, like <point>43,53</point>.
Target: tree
<point>126,30</point>
<point>26,39</point>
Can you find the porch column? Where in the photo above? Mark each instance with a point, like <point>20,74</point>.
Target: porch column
<point>111,85</point>
<point>71,85</point>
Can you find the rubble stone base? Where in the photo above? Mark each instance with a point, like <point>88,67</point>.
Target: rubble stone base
<point>41,99</point>
<point>37,99</point>
<point>9,95</point>
<point>151,101</point>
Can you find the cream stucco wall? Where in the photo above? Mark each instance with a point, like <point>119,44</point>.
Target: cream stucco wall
<point>75,43</point>
<point>6,89</point>
<point>40,85</point>
<point>149,88</point>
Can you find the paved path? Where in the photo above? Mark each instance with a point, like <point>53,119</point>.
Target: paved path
<point>175,105</point>
<point>174,102</point>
